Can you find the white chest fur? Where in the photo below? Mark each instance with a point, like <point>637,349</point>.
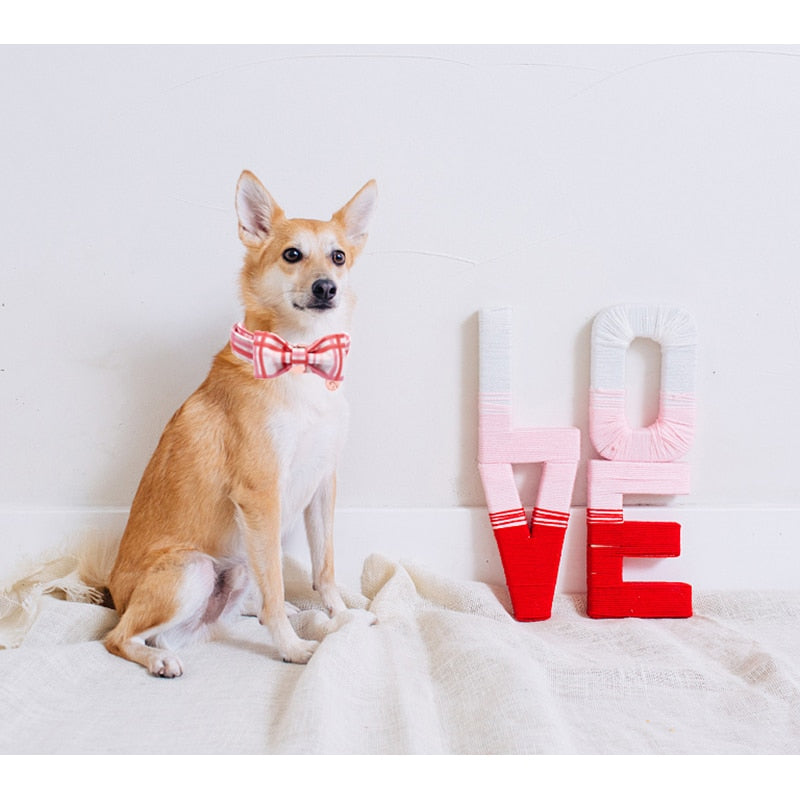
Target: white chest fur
<point>307,434</point>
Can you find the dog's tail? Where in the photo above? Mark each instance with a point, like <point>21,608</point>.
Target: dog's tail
<point>78,572</point>
<point>96,552</point>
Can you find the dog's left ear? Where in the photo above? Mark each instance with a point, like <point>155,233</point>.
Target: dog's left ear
<point>356,215</point>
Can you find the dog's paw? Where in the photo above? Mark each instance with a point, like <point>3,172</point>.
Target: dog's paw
<point>165,665</point>
<point>356,616</point>
<point>299,652</point>
<point>335,606</point>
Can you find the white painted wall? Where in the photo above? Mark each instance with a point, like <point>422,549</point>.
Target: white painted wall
<point>557,179</point>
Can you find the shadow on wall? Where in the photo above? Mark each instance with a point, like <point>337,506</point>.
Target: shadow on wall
<point>469,484</point>
<point>580,408</point>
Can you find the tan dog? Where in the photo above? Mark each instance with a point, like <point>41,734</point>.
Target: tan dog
<point>246,456</point>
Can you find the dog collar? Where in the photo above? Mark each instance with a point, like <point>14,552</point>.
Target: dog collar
<point>272,356</point>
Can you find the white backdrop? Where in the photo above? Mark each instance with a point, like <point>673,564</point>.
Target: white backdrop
<point>556,179</point>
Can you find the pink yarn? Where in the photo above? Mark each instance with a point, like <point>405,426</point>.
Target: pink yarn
<point>530,551</point>
<point>608,481</point>
<point>668,438</point>
<point>639,461</point>
<point>642,461</point>
<point>500,446</point>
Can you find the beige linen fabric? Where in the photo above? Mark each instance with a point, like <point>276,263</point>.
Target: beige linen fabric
<point>446,670</point>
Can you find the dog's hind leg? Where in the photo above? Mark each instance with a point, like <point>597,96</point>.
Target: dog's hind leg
<point>170,603</point>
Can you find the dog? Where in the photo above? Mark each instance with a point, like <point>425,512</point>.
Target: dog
<point>253,449</point>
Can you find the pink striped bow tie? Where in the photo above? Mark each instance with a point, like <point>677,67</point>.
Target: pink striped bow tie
<point>272,356</point>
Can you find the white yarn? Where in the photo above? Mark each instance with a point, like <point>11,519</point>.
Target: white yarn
<point>494,373</point>
<point>500,445</point>
<point>615,328</point>
<point>670,436</point>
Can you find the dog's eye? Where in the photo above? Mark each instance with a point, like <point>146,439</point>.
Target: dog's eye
<point>338,257</point>
<point>292,255</point>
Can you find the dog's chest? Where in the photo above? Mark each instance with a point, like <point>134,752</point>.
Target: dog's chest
<point>307,434</point>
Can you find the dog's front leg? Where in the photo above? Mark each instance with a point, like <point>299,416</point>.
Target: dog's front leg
<point>260,519</point>
<point>319,529</point>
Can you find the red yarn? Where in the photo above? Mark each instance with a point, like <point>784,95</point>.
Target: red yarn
<point>530,557</point>
<point>611,597</point>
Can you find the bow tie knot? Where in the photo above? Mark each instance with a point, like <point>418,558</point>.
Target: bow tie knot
<point>272,356</point>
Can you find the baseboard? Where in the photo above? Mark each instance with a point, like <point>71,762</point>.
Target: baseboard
<point>722,548</point>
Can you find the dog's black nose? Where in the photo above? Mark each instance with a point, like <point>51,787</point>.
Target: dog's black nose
<point>324,290</point>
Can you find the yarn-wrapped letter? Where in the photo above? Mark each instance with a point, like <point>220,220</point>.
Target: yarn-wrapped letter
<point>638,460</point>
<point>670,436</point>
<point>530,552</point>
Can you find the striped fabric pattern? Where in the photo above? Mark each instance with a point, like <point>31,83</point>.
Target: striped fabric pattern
<point>272,355</point>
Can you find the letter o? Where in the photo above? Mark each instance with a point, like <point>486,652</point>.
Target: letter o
<point>670,436</point>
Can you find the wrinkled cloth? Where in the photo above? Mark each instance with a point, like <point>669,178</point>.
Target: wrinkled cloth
<point>21,604</point>
<point>445,670</point>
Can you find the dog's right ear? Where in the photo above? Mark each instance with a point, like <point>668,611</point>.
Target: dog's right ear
<point>256,210</point>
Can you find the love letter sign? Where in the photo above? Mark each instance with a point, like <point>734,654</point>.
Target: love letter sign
<point>641,461</point>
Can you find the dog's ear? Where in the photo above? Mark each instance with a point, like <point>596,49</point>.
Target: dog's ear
<point>356,215</point>
<point>256,210</point>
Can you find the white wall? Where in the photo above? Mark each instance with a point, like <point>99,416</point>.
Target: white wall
<point>557,179</point>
